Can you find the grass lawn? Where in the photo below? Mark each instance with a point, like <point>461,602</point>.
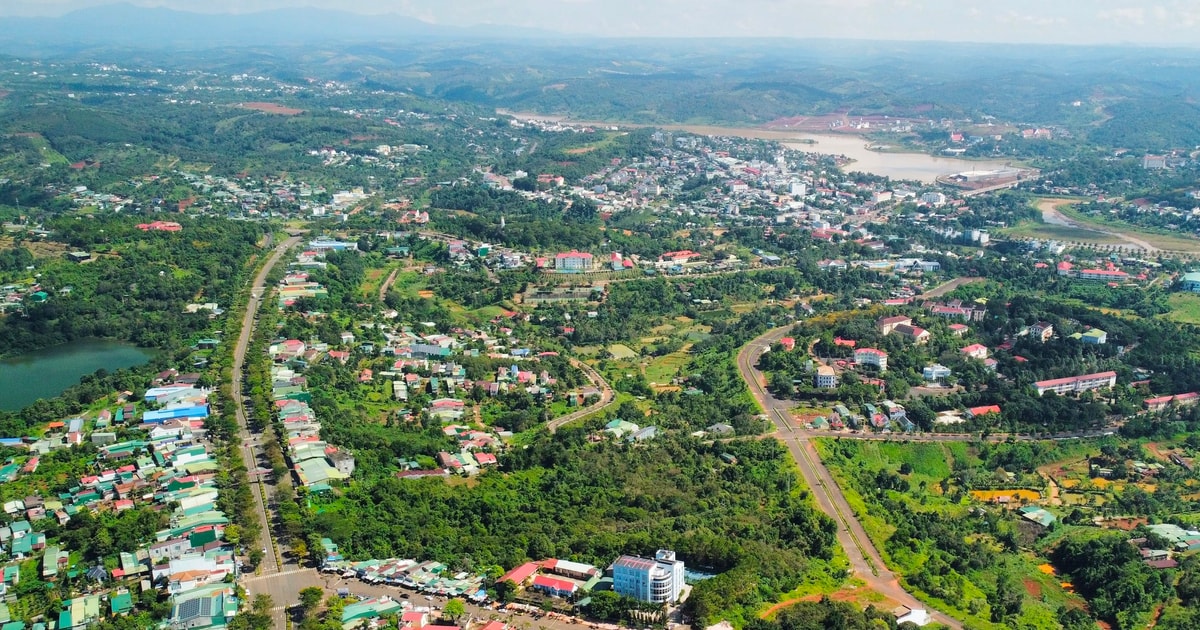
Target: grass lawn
<point>1185,308</point>
<point>622,351</point>
<point>663,369</point>
<point>1061,233</point>
<point>410,284</point>
<point>1162,239</point>
<point>488,313</point>
<point>371,281</point>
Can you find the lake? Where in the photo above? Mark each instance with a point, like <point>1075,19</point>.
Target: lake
<point>46,373</point>
<point>922,167</point>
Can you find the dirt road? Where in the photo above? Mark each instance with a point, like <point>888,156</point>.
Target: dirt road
<point>387,284</point>
<point>865,560</point>
<point>947,287</point>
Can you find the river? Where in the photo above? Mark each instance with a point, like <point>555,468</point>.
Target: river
<point>46,373</point>
<point>895,164</point>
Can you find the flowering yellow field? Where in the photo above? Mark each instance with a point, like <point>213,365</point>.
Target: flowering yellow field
<point>990,496</point>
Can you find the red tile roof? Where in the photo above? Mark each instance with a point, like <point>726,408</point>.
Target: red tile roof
<point>521,573</point>
<point>560,585</point>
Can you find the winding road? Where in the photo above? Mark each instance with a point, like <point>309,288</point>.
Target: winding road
<point>865,560</point>
<point>607,397</point>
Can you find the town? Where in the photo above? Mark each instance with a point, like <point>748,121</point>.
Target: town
<point>396,360</point>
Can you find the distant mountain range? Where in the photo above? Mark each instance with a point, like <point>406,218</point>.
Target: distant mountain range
<point>126,25</point>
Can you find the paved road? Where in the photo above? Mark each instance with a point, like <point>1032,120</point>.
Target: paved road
<point>865,561</point>
<point>607,397</point>
<point>251,450</point>
<point>955,437</point>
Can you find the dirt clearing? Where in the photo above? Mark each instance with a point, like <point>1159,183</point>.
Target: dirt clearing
<point>272,108</point>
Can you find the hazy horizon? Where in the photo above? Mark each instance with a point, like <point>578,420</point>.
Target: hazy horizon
<point>1077,22</point>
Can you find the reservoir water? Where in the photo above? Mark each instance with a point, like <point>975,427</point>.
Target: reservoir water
<point>894,164</point>
<point>919,166</point>
<point>46,373</point>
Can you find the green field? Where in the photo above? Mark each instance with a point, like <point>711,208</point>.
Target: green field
<point>1185,308</point>
<point>622,351</point>
<point>1060,233</point>
<point>662,369</point>
<point>1160,238</point>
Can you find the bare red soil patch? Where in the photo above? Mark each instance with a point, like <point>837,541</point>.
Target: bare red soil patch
<point>1126,524</point>
<point>272,108</point>
<point>837,596</point>
<point>1032,587</point>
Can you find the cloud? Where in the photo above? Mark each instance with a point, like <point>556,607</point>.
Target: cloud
<point>1034,21</point>
<point>1124,15</point>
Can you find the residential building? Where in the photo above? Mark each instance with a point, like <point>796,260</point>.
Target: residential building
<point>1094,336</point>
<point>916,334</point>
<point>650,580</point>
<point>871,356</point>
<point>573,261</point>
<point>1158,403</point>
<point>569,569</point>
<point>1191,282</point>
<point>1105,275</point>
<point>975,412</point>
<point>935,372</point>
<point>936,199</point>
<point>326,244</point>
<point>554,587</point>
<point>1041,331</point>
<point>826,377</point>
<point>975,351</point>
<point>1037,515</point>
<point>343,461</point>
<point>1076,384</point>
<point>885,325</point>
<point>1162,402</point>
<point>677,258</point>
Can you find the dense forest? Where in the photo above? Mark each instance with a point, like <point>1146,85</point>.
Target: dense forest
<point>137,285</point>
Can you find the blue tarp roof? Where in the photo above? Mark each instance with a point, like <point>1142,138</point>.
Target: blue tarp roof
<point>162,415</point>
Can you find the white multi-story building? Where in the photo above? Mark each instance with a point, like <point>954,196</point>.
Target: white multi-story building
<point>1075,384</point>
<point>573,261</point>
<point>871,356</point>
<point>934,199</point>
<point>826,377</point>
<point>658,580</point>
<point>935,372</point>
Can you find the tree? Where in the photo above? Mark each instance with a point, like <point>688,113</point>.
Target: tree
<point>256,557</point>
<point>781,384</point>
<point>506,591</point>
<point>454,609</point>
<point>262,604</point>
<point>311,597</point>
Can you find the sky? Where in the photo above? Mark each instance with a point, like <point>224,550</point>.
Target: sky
<point>1146,22</point>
